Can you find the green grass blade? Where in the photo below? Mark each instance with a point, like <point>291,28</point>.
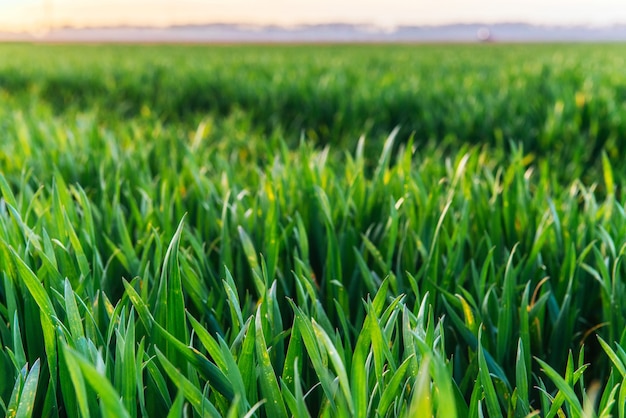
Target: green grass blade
<point>73,315</point>
<point>312,348</point>
<point>247,364</point>
<point>274,405</point>
<point>421,402</point>
<point>393,387</point>
<point>176,411</point>
<point>521,380</point>
<point>29,392</point>
<point>6,191</point>
<point>78,382</point>
<point>337,362</point>
<point>563,386</point>
<point>613,356</point>
<point>491,399</point>
<point>34,286</point>
<point>109,398</point>
<point>251,256</point>
<point>201,404</point>
<point>208,342</point>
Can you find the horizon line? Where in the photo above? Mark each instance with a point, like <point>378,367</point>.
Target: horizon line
<point>243,25</point>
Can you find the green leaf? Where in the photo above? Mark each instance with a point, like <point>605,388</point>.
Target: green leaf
<point>310,342</point>
<point>233,301</point>
<point>563,387</point>
<point>393,387</point>
<point>176,411</point>
<point>208,342</point>
<point>491,399</point>
<point>29,392</point>
<point>171,300</point>
<point>252,258</point>
<point>34,286</point>
<point>129,363</point>
<point>613,356</point>
<point>274,405</point>
<point>198,401</point>
<point>73,315</point>
<point>337,362</point>
<point>109,398</point>
<point>505,317</point>
<point>246,362</point>
<point>521,380</point>
<point>5,189</point>
<point>608,174</point>
<point>207,369</point>
<point>79,389</point>
<point>422,402</point>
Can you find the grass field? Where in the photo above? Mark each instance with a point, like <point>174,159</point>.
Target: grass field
<point>312,230</point>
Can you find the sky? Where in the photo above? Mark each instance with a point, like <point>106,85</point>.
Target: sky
<point>28,15</point>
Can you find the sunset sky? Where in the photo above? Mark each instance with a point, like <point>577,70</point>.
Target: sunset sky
<point>37,14</point>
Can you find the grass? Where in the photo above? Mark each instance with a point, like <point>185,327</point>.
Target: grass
<point>209,237</point>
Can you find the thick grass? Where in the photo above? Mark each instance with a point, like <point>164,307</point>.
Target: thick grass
<point>244,254</point>
<point>562,101</point>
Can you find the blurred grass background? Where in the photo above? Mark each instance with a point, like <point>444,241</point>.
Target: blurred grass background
<point>564,103</point>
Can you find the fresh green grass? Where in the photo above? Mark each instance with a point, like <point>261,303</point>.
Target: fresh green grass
<point>199,231</point>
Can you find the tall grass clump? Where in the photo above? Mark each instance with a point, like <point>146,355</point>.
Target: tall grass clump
<point>225,265</point>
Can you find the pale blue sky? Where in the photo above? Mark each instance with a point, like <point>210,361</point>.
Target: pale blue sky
<point>33,14</point>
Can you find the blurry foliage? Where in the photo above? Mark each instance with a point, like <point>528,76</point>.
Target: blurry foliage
<point>564,103</point>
